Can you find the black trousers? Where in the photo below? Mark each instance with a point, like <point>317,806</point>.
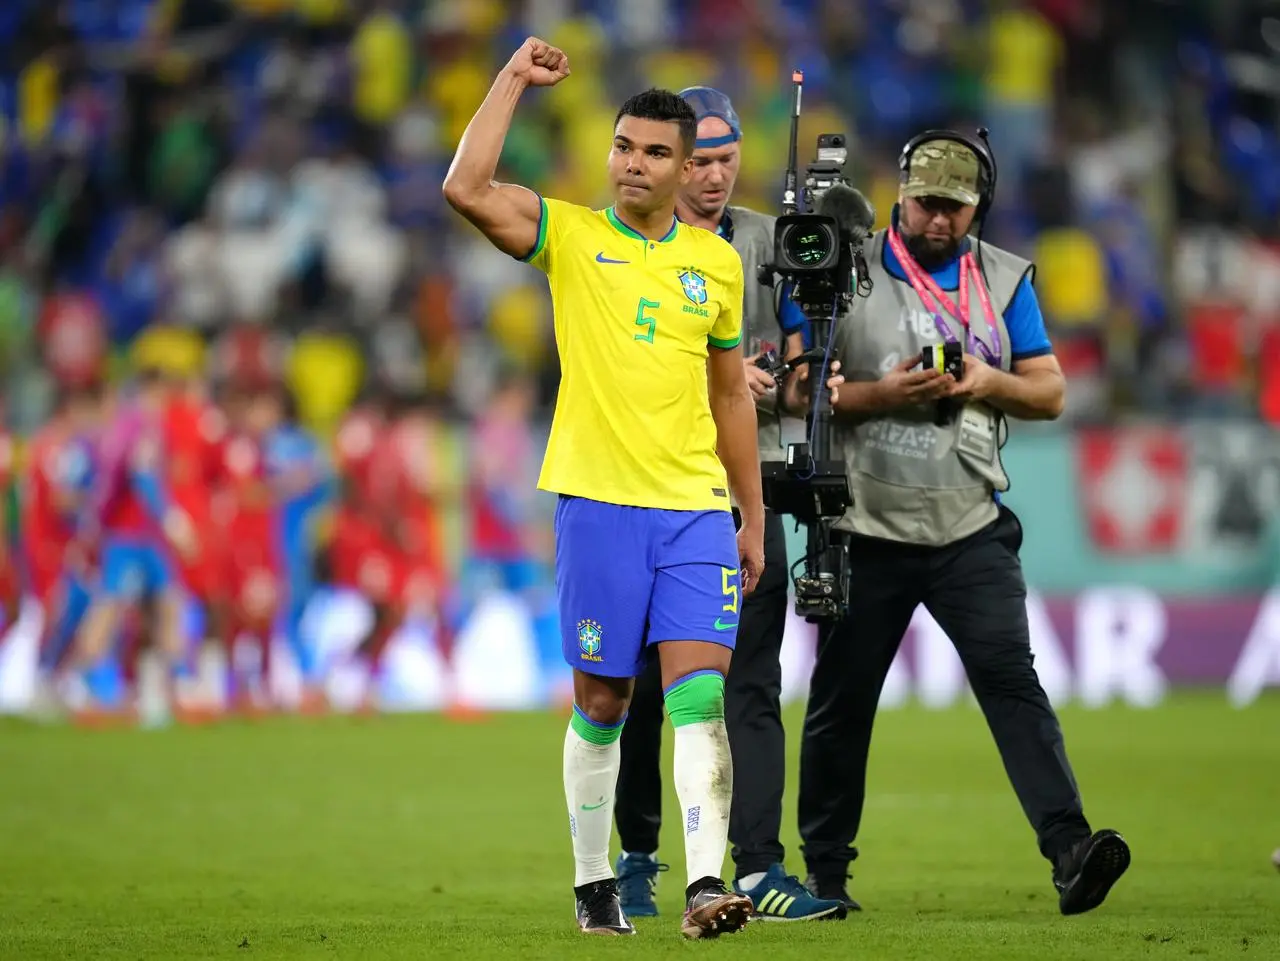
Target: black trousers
<point>753,716</point>
<point>975,591</point>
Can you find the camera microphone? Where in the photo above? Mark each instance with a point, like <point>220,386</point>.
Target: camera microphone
<point>850,209</point>
<point>856,218</point>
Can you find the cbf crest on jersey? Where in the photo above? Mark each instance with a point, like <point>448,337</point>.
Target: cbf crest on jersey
<point>695,285</point>
<point>590,637</point>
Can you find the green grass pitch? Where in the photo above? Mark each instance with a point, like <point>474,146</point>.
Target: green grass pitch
<point>417,837</point>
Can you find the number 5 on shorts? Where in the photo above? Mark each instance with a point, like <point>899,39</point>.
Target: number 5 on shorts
<point>730,588</point>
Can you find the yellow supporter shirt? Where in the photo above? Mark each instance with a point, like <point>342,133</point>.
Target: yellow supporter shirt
<point>383,54</point>
<point>634,320</point>
<point>1071,276</point>
<point>37,99</point>
<point>455,89</point>
<point>1024,53</point>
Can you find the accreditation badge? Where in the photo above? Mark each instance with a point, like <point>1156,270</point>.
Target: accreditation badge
<point>976,432</point>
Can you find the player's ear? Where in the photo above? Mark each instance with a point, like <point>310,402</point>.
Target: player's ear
<point>686,170</point>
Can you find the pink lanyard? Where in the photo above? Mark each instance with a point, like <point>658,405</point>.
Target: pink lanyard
<point>925,286</point>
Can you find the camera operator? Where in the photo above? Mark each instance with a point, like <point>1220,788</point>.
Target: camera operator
<point>921,445</point>
<point>753,686</point>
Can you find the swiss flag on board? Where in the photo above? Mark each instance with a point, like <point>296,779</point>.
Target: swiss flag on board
<point>1133,484</point>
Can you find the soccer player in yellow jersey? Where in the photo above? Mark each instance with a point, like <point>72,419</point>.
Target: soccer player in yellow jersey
<point>653,411</point>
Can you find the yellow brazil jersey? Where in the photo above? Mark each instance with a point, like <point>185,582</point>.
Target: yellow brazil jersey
<point>634,319</point>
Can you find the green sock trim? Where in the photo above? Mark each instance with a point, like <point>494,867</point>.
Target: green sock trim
<point>697,698</point>
<point>593,731</point>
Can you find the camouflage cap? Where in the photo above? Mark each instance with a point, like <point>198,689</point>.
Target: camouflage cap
<point>943,168</point>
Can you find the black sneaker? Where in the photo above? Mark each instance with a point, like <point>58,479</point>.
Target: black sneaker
<point>599,910</point>
<point>1085,874</point>
<point>712,910</point>
<point>831,889</point>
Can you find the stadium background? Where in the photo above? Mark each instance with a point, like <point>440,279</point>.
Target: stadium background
<point>225,185</point>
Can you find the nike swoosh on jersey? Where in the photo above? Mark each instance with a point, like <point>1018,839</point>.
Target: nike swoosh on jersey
<point>720,626</point>
<point>602,259</point>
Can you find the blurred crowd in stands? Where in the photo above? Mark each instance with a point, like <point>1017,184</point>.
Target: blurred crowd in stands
<point>212,179</point>
<point>248,191</point>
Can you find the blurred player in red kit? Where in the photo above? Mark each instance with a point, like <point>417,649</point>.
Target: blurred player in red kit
<point>411,486</point>
<point>132,520</point>
<point>355,443</point>
<point>302,484</point>
<point>386,541</point>
<point>58,481</point>
<point>500,493</point>
<point>246,514</point>
<point>195,431</point>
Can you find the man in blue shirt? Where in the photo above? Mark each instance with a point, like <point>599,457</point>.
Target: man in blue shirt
<point>948,345</point>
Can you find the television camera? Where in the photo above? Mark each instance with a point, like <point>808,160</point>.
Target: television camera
<point>818,258</point>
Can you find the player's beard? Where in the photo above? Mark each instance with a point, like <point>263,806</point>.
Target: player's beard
<point>931,254</point>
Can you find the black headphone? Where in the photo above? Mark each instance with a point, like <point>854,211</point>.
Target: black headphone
<point>987,169</point>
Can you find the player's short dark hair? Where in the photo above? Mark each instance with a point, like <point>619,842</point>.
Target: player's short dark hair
<point>666,106</point>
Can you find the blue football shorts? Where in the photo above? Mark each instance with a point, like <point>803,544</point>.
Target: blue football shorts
<point>628,577</point>
<point>134,568</point>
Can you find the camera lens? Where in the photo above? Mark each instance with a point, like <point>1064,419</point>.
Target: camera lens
<point>807,246</point>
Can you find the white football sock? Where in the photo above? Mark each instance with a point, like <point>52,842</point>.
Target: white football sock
<point>590,778</point>
<point>704,784</point>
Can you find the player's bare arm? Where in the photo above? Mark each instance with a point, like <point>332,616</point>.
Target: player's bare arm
<point>734,411</point>
<point>505,213</point>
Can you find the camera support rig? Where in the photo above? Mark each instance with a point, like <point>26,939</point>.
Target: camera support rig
<point>817,255</point>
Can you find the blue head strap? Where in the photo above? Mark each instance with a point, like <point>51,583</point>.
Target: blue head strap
<point>709,102</point>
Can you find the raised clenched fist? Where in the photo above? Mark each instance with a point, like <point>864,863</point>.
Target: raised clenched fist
<point>538,63</point>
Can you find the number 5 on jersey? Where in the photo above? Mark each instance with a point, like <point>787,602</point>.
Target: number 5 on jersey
<point>642,320</point>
